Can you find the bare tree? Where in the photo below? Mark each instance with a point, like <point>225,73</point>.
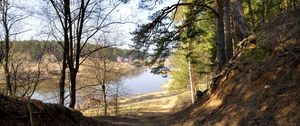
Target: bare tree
<point>116,98</point>
<point>4,14</point>
<point>118,91</point>
<point>79,22</point>
<point>106,73</point>
<point>9,20</point>
<point>25,76</point>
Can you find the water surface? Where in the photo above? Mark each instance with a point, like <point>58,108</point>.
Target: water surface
<point>137,81</point>
<point>144,82</point>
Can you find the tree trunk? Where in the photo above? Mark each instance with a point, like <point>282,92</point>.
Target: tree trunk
<point>65,56</point>
<point>240,26</point>
<point>104,86</point>
<point>191,80</point>
<point>14,72</point>
<point>6,67</point>
<point>228,42</point>
<point>220,56</point>
<point>7,72</point>
<point>104,98</point>
<point>116,100</point>
<point>69,38</point>
<point>264,10</point>
<point>62,79</point>
<point>73,89</point>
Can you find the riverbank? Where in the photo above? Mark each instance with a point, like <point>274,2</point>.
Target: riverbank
<point>47,89</point>
<point>149,109</point>
<point>148,104</point>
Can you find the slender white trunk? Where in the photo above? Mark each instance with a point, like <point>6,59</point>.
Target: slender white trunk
<point>191,81</point>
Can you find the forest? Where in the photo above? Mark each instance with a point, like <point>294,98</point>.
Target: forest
<point>150,62</point>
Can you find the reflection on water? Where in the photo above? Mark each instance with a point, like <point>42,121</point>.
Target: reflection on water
<point>135,72</point>
<point>145,82</point>
<point>138,80</point>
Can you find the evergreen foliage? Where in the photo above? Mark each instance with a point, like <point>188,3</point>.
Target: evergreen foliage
<point>197,43</point>
<point>191,33</point>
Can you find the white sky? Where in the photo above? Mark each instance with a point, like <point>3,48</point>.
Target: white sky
<point>129,11</point>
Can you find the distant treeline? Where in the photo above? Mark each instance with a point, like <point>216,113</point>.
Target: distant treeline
<point>35,48</point>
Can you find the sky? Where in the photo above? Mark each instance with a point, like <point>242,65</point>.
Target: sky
<point>129,12</point>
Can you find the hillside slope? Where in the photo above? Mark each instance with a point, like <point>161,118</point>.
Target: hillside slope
<point>263,86</point>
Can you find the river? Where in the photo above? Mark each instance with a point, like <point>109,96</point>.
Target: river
<point>137,81</point>
<point>144,82</point>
